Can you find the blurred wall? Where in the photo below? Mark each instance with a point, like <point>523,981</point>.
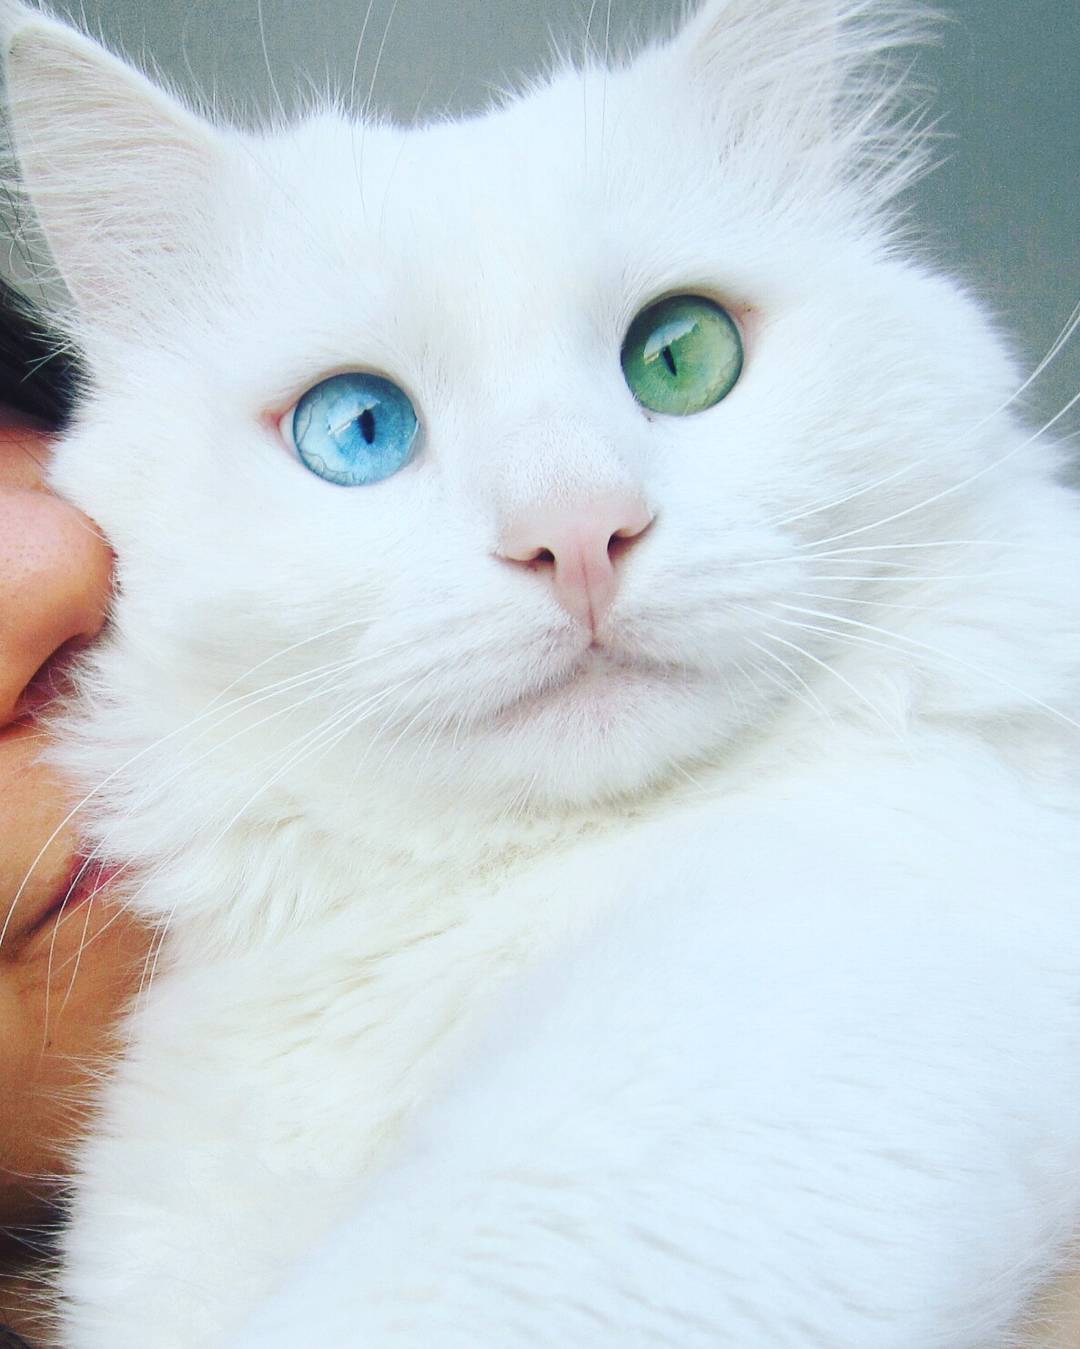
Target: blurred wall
<point>1002,212</point>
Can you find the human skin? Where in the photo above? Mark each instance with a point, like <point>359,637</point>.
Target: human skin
<point>66,968</point>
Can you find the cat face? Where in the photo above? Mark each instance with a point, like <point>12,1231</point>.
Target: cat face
<point>557,593</point>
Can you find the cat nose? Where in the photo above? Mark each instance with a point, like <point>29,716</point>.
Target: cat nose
<point>578,546</point>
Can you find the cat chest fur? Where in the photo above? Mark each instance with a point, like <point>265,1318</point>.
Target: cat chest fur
<point>679,985</point>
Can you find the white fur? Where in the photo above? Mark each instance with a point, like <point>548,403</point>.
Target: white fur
<point>716,988</point>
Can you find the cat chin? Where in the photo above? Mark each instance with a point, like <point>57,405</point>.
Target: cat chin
<point>592,695</point>
<point>606,732</point>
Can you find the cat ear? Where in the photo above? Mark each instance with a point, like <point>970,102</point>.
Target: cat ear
<point>119,175</point>
<point>788,75</point>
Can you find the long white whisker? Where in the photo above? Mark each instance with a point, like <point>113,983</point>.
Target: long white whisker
<point>856,549</point>
<point>824,665</point>
<point>283,651</point>
<point>1058,345</point>
<point>908,578</point>
<point>412,720</point>
<point>810,697</point>
<point>378,62</point>
<point>266,59</point>
<point>872,604</point>
<point>956,486</point>
<point>78,957</point>
<point>365,111</point>
<point>374,700</point>
<point>604,86</point>
<point>780,521</point>
<point>586,55</point>
<point>249,699</point>
<point>921,646</point>
<point>359,49</point>
<point>308,743</point>
<point>100,846</point>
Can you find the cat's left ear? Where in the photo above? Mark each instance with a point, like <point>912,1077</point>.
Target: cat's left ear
<point>119,175</point>
<point>787,76</point>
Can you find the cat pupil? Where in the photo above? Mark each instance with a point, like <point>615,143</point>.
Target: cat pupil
<point>669,360</point>
<point>367,425</point>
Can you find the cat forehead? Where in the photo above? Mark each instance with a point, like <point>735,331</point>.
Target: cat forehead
<point>568,183</point>
<point>525,239</point>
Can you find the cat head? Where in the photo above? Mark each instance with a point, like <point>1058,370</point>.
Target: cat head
<point>489,457</point>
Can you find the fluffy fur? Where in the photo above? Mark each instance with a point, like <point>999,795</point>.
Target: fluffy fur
<point>715,983</point>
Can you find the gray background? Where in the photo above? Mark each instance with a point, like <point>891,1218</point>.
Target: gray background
<point>1001,212</point>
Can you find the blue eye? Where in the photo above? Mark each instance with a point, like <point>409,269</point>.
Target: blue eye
<point>354,429</point>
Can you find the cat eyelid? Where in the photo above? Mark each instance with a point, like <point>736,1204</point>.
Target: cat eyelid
<point>278,417</point>
<point>739,309</point>
<point>746,316</point>
<point>282,423</point>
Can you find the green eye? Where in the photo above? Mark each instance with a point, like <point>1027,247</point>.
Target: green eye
<point>682,355</point>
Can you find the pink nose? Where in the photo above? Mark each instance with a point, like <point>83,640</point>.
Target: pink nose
<point>578,545</point>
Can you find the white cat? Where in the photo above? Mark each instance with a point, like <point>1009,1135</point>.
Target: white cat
<point>593,696</point>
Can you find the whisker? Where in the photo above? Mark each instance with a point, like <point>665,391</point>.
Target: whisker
<point>931,543</point>
<point>824,665</point>
<point>586,55</point>
<point>250,699</point>
<point>873,604</point>
<point>119,912</point>
<point>809,697</point>
<point>869,554</point>
<point>1058,345</point>
<point>266,60</point>
<point>283,651</point>
<point>378,63</point>
<point>293,753</point>
<point>78,958</point>
<point>780,521</point>
<point>308,743</point>
<point>99,848</point>
<point>921,646</point>
<point>956,486</point>
<point>908,578</point>
<point>604,86</point>
<point>150,964</point>
<point>356,58</point>
<point>412,720</point>
<point>365,110</point>
<point>373,701</point>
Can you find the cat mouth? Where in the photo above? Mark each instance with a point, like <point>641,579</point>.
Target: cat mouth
<point>597,682</point>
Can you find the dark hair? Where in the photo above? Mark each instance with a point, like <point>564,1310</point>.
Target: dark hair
<point>37,375</point>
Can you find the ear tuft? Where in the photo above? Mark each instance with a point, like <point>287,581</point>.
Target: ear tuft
<point>816,80</point>
<point>118,173</point>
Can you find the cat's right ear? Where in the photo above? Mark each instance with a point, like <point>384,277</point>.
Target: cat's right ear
<point>119,175</point>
